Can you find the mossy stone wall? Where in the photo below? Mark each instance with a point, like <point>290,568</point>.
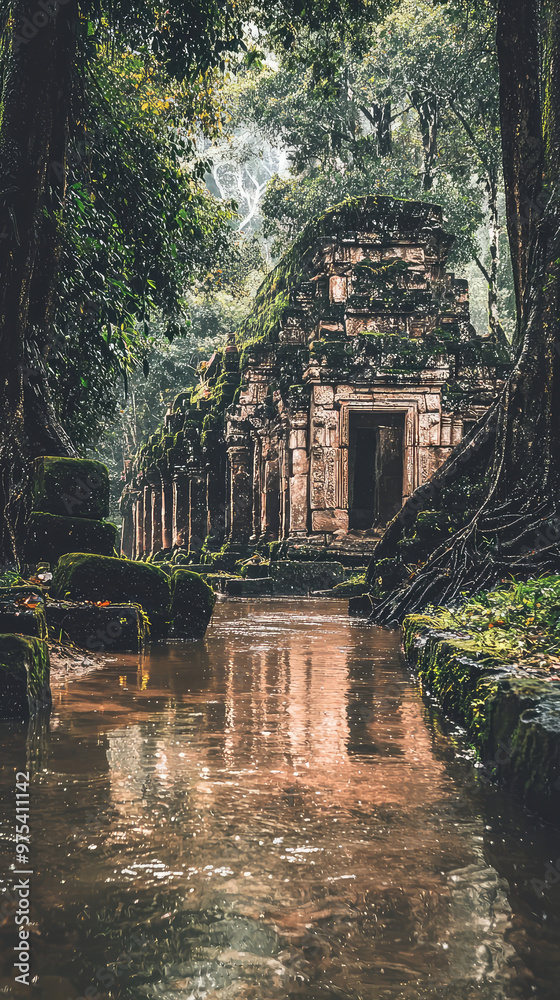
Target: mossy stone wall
<point>513,720</point>
<point>24,676</point>
<point>192,604</point>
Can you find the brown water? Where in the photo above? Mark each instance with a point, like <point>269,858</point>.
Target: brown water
<point>272,813</point>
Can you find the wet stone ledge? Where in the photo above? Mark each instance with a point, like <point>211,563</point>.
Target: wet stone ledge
<point>511,715</point>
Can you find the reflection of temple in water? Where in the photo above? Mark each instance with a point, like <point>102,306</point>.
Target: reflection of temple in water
<point>272,803</point>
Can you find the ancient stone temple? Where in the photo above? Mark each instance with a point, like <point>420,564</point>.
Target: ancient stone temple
<point>349,384</point>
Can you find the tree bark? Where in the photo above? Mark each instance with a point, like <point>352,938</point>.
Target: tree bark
<point>496,331</point>
<point>516,529</point>
<point>519,58</point>
<point>428,116</point>
<point>36,112</point>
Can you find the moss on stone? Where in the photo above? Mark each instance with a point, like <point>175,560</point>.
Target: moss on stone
<point>355,586</point>
<point>352,215</point>
<point>304,577</point>
<point>24,676</point>
<point>73,487</point>
<point>49,536</point>
<point>488,665</point>
<point>240,587</point>
<point>83,577</point>
<point>113,628</point>
<point>254,568</point>
<point>192,604</point>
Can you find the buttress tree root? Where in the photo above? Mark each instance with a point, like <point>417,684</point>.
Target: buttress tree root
<point>511,460</point>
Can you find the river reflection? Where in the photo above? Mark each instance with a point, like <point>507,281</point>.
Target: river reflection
<point>273,813</point>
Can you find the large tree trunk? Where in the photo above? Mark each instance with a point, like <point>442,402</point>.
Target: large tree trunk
<point>36,112</point>
<point>519,58</point>
<point>516,447</point>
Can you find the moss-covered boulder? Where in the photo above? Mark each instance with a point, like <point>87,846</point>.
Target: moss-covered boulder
<point>83,577</point>
<point>22,611</point>
<point>70,487</point>
<point>192,604</point>
<point>24,676</point>
<point>49,536</point>
<point>304,577</point>
<point>116,628</point>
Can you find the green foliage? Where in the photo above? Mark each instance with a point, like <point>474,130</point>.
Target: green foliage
<point>138,230</point>
<point>406,107</point>
<point>515,623</point>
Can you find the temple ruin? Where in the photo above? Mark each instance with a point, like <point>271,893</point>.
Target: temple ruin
<point>353,378</point>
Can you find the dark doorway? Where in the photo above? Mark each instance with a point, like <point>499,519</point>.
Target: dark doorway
<point>375,468</point>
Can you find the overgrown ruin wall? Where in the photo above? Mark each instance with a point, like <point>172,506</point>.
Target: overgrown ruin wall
<point>346,388</point>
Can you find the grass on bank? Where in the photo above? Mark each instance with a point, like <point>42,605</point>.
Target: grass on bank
<point>518,623</point>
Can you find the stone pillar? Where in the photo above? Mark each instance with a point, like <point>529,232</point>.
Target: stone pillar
<point>198,515</point>
<point>127,533</point>
<point>166,513</point>
<point>326,515</point>
<point>284,482</point>
<point>216,497</point>
<point>180,508</point>
<point>147,533</point>
<point>156,518</point>
<point>271,501</point>
<point>257,488</point>
<point>241,494</point>
<point>139,525</point>
<point>134,529</point>
<point>299,475</point>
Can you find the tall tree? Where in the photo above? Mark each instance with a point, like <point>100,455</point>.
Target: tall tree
<point>137,232</point>
<point>47,47</point>
<point>515,450</point>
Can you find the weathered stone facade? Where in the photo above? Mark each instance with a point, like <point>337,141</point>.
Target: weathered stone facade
<point>347,387</point>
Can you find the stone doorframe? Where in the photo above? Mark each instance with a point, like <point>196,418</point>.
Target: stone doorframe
<point>411,466</point>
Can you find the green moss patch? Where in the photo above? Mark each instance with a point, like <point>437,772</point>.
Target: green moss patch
<point>113,628</point>
<point>517,624</point>
<point>192,604</point>
<point>355,586</point>
<point>83,577</point>
<point>70,487</point>
<point>24,676</point>
<point>494,664</point>
<point>49,536</point>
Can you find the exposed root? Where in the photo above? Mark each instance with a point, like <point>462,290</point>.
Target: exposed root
<point>506,535</point>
